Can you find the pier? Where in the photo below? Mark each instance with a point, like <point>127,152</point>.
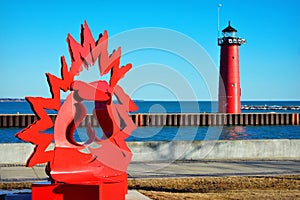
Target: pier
<point>174,119</point>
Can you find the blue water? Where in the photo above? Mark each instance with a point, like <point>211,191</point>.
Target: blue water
<point>176,133</point>
<point>185,133</point>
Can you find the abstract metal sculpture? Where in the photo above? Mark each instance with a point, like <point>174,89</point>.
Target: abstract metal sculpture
<point>77,169</point>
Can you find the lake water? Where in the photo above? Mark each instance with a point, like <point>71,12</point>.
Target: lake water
<point>22,107</point>
<point>176,133</point>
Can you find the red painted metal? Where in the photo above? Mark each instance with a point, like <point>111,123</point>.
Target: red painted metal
<point>59,191</point>
<point>229,82</point>
<point>98,162</point>
<point>229,98</point>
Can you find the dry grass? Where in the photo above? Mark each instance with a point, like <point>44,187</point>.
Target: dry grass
<point>271,187</point>
<point>13,185</point>
<point>232,194</point>
<point>275,187</point>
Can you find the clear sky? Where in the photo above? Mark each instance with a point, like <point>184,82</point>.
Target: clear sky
<point>33,37</point>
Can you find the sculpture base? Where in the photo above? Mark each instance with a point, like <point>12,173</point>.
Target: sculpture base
<point>62,191</point>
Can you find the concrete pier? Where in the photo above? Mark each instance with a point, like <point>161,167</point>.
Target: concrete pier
<point>175,119</point>
<point>276,149</point>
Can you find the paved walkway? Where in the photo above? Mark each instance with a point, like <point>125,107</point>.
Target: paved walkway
<point>213,168</point>
<point>175,169</point>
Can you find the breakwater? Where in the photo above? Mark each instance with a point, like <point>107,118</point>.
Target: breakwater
<point>174,119</point>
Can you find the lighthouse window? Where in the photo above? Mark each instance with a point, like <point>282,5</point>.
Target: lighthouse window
<point>232,57</point>
<point>229,34</point>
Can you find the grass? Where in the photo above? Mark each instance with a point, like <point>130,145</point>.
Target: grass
<point>264,187</point>
<point>232,194</point>
<point>274,187</point>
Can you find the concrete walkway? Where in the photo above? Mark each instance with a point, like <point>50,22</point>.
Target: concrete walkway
<point>174,169</point>
<point>213,168</point>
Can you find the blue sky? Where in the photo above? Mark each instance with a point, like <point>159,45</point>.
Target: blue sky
<point>33,37</point>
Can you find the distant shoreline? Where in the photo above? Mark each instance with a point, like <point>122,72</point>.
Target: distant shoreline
<point>12,100</point>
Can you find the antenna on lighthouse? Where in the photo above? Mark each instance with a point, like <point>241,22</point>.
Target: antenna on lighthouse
<point>219,8</point>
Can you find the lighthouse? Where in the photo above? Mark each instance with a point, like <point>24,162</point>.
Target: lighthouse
<point>229,80</point>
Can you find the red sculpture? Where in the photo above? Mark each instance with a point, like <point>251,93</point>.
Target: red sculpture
<point>102,168</point>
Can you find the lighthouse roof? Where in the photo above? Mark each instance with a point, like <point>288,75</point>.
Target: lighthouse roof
<point>229,28</point>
